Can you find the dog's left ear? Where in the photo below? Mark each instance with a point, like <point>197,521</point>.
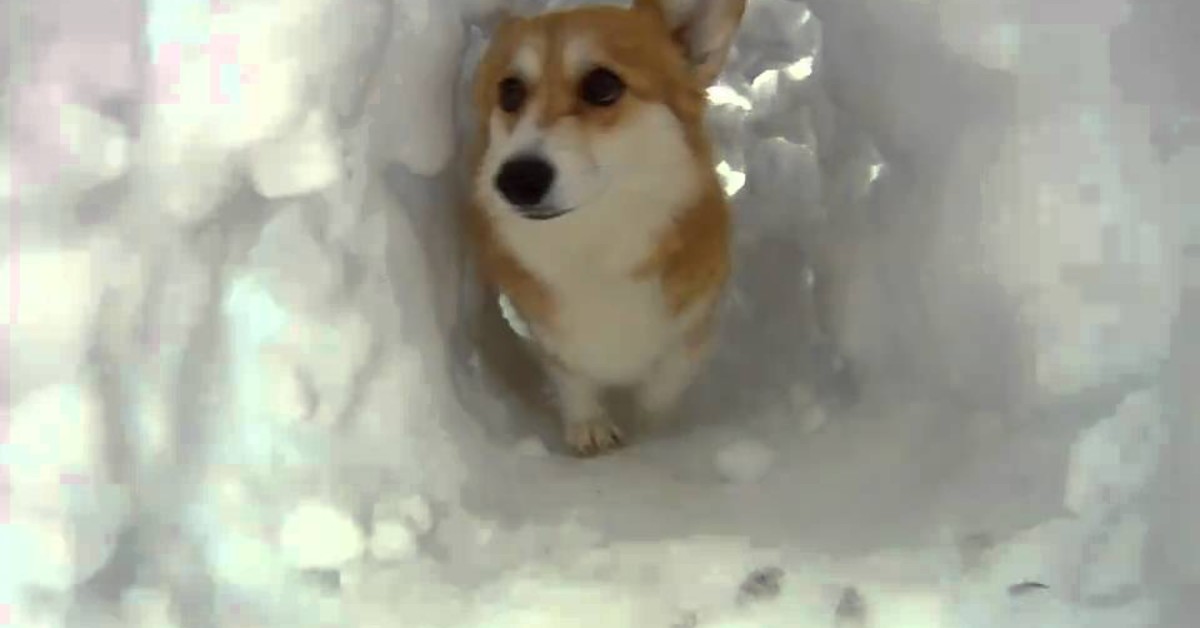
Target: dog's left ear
<point>704,29</point>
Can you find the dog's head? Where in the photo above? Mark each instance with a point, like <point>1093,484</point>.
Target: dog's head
<point>590,106</point>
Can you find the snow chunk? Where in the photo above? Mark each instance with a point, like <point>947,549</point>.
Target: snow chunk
<point>315,535</point>
<point>246,561</point>
<point>392,540</point>
<point>98,144</point>
<point>54,294</point>
<point>414,511</point>
<point>56,432</point>
<point>744,461</point>
<point>303,161</point>
<point>55,553</point>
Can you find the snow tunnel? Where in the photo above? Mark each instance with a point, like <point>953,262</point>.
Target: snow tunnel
<point>251,380</point>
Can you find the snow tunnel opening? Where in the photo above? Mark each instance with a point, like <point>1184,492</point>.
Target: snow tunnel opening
<point>810,155</point>
<point>494,360</point>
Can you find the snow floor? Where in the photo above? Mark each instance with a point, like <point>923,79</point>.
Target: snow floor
<point>249,382</point>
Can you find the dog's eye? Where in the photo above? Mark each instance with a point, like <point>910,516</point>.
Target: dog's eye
<point>512,94</point>
<point>601,87</point>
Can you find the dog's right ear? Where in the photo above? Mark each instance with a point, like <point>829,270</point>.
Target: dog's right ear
<point>504,13</point>
<point>493,21</point>
<point>497,16</point>
<point>703,29</point>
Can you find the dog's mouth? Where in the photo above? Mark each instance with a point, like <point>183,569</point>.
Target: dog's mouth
<point>542,212</point>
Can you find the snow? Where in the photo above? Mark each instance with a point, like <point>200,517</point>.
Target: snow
<point>392,540</point>
<point>426,39</point>
<point>242,387</point>
<point>397,526</point>
<point>149,608</point>
<point>532,447</point>
<point>744,461</point>
<point>303,162</point>
<point>97,144</point>
<point>49,333</point>
<point>315,535</point>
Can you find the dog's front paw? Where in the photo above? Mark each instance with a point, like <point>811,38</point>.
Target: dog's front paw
<point>593,437</point>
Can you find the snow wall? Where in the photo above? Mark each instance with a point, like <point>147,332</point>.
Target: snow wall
<point>249,383</point>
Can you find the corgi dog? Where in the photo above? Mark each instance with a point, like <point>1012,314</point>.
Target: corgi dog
<point>595,207</point>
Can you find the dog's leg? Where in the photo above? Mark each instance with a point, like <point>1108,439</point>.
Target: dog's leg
<point>587,430</point>
<point>658,396</point>
<point>837,378</point>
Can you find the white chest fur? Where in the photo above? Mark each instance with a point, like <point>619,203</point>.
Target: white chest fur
<point>608,324</point>
<point>613,331</point>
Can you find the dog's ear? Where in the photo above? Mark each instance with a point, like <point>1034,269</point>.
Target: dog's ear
<point>493,17</point>
<point>496,19</point>
<point>704,30</point>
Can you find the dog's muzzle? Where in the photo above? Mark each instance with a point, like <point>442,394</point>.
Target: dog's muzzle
<point>525,182</point>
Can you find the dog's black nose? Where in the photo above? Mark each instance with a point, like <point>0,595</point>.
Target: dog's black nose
<point>524,181</point>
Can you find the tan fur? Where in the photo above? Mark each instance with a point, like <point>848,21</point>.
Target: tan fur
<point>688,257</point>
<point>501,269</point>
